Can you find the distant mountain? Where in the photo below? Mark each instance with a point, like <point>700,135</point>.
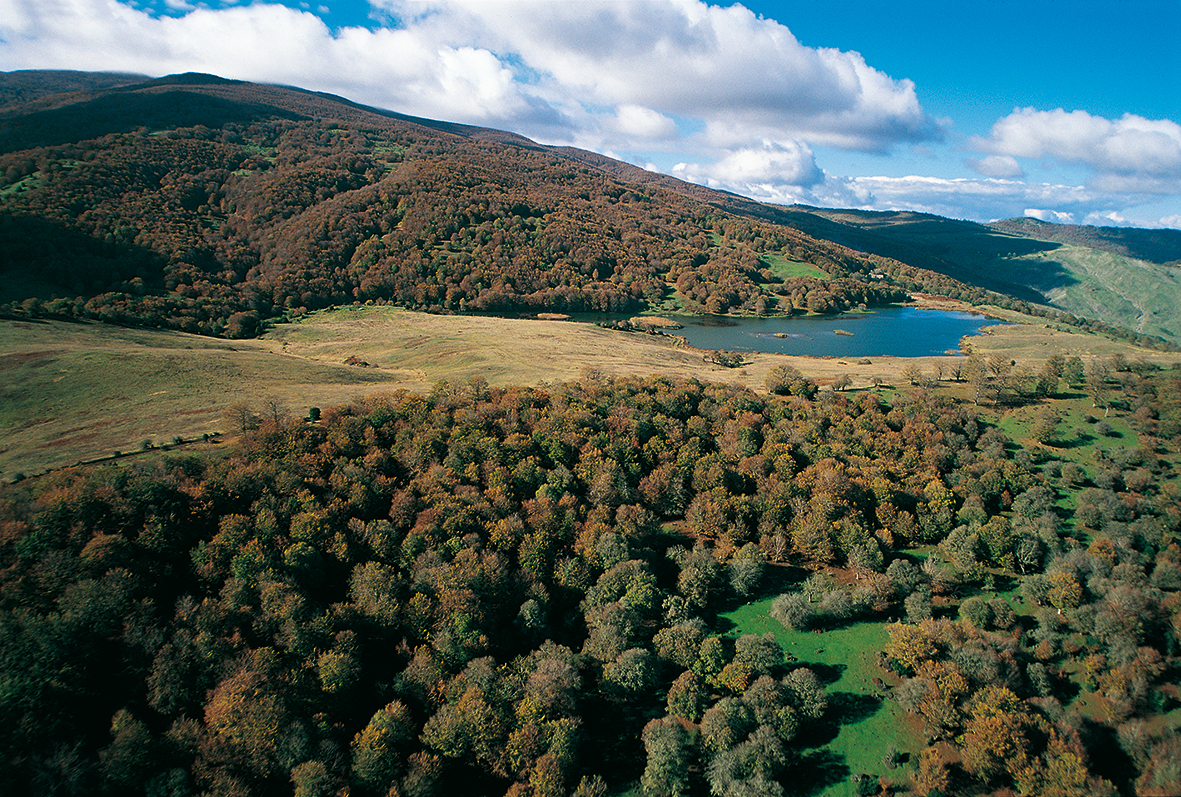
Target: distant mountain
<point>28,86</point>
<point>1162,247</point>
<point>1127,277</point>
<point>212,205</point>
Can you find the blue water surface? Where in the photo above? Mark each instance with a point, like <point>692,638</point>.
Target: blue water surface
<point>897,331</point>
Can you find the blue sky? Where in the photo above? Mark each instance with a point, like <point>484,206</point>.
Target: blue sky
<point>1067,110</point>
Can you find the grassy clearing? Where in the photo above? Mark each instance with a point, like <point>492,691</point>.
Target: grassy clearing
<point>73,392</point>
<point>787,269</point>
<point>844,658</point>
<point>76,391</point>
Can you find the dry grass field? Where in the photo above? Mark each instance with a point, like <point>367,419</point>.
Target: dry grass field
<point>73,392</point>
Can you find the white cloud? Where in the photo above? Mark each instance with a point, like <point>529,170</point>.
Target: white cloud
<point>644,123</point>
<point>745,77</point>
<point>1129,154</point>
<point>1055,216</point>
<point>1002,166</point>
<point>624,76</point>
<point>960,198</point>
<point>557,71</point>
<point>395,69</point>
<point>775,171</point>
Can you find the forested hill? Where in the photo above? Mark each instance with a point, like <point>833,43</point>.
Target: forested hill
<point>210,205</point>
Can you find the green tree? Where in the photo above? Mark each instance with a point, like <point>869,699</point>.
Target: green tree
<point>686,697</point>
<point>666,770</point>
<point>750,768</point>
<point>725,724</point>
<point>377,749</point>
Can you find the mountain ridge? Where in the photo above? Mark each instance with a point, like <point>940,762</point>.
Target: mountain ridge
<point>145,183</point>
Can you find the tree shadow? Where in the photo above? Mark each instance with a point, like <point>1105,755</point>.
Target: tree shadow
<point>1108,759</point>
<point>844,708</point>
<point>817,770</point>
<point>827,673</point>
<point>1084,440</point>
<point>849,708</point>
<point>723,625</point>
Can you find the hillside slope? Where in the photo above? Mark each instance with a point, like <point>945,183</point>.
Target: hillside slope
<point>216,206</point>
<point>211,205</point>
<point>1125,277</point>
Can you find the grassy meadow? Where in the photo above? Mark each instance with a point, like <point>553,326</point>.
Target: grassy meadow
<point>1113,287</point>
<point>866,726</point>
<point>76,391</point>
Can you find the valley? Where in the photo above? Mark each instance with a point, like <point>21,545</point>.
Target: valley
<point>304,488</point>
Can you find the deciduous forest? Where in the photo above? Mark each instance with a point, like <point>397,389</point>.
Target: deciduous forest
<point>212,206</point>
<point>489,590</point>
<point>606,586</point>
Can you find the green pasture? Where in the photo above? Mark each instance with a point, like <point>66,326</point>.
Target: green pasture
<point>787,269</point>
<point>1124,291</point>
<point>864,725</point>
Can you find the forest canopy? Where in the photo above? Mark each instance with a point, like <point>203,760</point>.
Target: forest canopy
<point>516,590</point>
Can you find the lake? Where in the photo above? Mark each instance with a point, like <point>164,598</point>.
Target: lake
<point>897,331</point>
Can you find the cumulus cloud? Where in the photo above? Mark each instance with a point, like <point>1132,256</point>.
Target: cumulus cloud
<point>392,68</point>
<point>1129,154</point>
<point>556,70</point>
<point>738,91</point>
<point>644,123</point>
<point>1056,216</point>
<point>959,198</point>
<point>743,75</point>
<point>1003,166</point>
<point>773,171</point>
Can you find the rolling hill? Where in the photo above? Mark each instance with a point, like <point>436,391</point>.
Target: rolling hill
<point>215,206</point>
<point>1130,278</point>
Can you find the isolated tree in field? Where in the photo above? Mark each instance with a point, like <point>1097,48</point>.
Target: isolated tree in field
<point>746,570</point>
<point>240,417</point>
<point>793,610</point>
<point>913,374</point>
<point>806,694</point>
<point>762,653</point>
<point>1073,372</point>
<point>1045,428</point>
<point>976,373</point>
<point>1098,386</point>
<point>1049,376</point>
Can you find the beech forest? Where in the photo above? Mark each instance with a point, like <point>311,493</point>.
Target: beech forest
<point>519,591</point>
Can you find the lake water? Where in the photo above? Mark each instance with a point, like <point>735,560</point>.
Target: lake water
<point>898,331</point>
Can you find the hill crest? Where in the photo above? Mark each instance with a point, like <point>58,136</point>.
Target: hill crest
<point>211,205</point>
